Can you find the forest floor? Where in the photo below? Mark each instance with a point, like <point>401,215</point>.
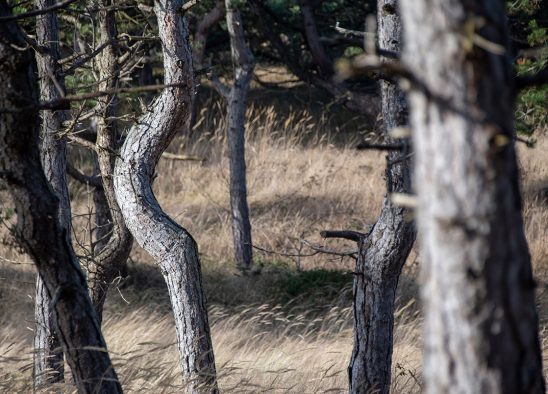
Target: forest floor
<point>285,326</point>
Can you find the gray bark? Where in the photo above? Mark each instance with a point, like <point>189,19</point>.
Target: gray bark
<point>243,64</point>
<point>111,257</point>
<point>38,228</point>
<point>384,250</point>
<point>171,245</point>
<point>48,357</point>
<point>481,327</point>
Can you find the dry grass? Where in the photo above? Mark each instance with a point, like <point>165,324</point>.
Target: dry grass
<point>303,177</point>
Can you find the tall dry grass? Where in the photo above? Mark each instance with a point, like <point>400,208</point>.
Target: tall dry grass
<point>303,177</point>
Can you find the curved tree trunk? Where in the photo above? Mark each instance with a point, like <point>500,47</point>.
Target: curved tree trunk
<point>48,356</point>
<point>243,63</point>
<point>38,228</point>
<point>170,244</point>
<point>320,56</point>
<point>481,326</point>
<point>202,30</point>
<point>384,250</point>
<point>112,256</point>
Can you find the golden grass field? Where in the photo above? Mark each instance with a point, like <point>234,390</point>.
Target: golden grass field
<point>286,327</point>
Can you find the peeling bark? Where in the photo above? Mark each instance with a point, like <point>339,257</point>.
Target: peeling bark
<point>38,228</point>
<point>171,245</point>
<point>48,356</point>
<point>384,251</point>
<point>481,326</point>
<point>243,63</point>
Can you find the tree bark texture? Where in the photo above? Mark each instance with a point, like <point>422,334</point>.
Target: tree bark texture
<point>383,252</point>
<point>171,245</point>
<point>481,327</point>
<point>111,258</point>
<point>48,356</point>
<point>243,64</point>
<point>38,228</point>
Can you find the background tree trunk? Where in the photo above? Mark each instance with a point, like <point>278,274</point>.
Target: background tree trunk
<point>243,63</point>
<point>170,244</point>
<point>38,228</point>
<point>48,356</point>
<point>110,259</point>
<point>481,327</point>
<point>384,250</point>
<point>320,56</point>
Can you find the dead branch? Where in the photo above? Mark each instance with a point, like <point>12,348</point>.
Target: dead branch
<point>173,156</point>
<point>41,11</point>
<point>355,236</point>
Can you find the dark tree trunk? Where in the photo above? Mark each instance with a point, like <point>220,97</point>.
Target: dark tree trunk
<point>48,356</point>
<point>38,228</point>
<point>384,250</point>
<point>203,27</point>
<point>481,326</point>
<point>171,245</point>
<point>320,56</point>
<point>111,258</point>
<point>243,63</point>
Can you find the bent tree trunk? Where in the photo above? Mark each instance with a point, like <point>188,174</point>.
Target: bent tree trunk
<point>48,356</point>
<point>481,327</point>
<point>171,245</point>
<point>38,229</point>
<point>244,63</point>
<point>383,252</point>
<point>112,256</point>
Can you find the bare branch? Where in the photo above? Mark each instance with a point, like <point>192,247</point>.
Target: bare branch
<point>41,11</point>
<point>94,181</point>
<point>355,236</point>
<point>173,156</point>
<point>367,146</point>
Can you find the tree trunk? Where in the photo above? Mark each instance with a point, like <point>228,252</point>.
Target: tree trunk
<point>481,326</point>
<point>243,63</point>
<point>384,250</point>
<point>202,30</point>
<point>320,56</point>
<point>111,258</point>
<point>38,228</point>
<point>171,245</point>
<point>48,357</point>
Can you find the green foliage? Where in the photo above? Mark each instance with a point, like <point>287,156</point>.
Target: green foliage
<point>528,25</point>
<point>317,283</point>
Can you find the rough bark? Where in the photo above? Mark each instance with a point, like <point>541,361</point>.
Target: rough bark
<point>38,228</point>
<point>481,327</point>
<point>384,251</point>
<point>171,245</point>
<point>243,64</point>
<point>48,356</point>
<point>320,56</point>
<point>110,259</point>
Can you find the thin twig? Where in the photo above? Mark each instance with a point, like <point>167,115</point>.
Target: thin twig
<point>41,11</point>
